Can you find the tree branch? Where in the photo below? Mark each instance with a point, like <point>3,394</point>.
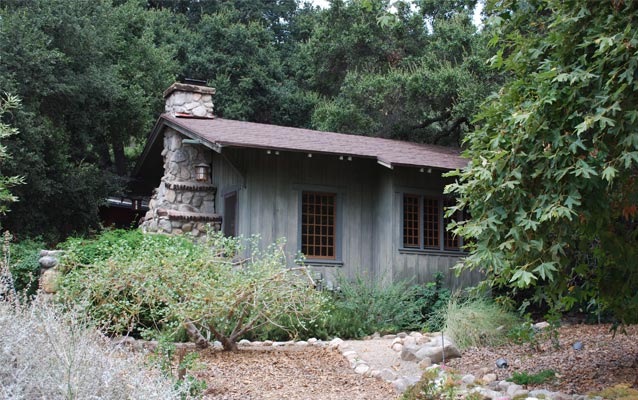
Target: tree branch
<point>430,121</point>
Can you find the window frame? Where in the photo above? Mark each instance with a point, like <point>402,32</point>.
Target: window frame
<point>441,221</point>
<point>338,224</point>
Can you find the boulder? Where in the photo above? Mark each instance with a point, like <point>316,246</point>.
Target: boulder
<point>362,368</point>
<point>390,336</point>
<point>489,378</point>
<point>513,388</point>
<point>47,262</point>
<point>409,341</point>
<point>541,325</point>
<point>468,379</point>
<point>437,353</point>
<point>425,363</point>
<point>49,280</point>
<point>400,385</point>
<point>397,347</point>
<point>388,375</point>
<point>51,253</point>
<point>488,393</point>
<point>408,353</point>
<point>335,343</point>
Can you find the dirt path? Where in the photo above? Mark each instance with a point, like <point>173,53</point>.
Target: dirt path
<point>289,372</point>
<point>315,373</point>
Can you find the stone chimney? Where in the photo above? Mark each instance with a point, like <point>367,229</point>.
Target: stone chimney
<point>189,101</point>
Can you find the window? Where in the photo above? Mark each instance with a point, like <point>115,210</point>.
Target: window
<point>318,225</point>
<point>424,224</point>
<point>411,221</point>
<point>230,214</point>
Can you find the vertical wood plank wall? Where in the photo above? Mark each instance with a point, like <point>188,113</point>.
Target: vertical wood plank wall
<point>368,199</point>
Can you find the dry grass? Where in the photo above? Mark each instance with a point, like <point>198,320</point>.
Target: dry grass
<point>477,321</point>
<point>46,354</point>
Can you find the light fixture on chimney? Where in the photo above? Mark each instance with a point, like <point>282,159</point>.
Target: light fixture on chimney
<point>202,172</point>
<point>136,204</point>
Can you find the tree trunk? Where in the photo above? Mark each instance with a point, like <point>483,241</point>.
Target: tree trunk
<point>120,157</point>
<point>228,344</point>
<point>195,335</point>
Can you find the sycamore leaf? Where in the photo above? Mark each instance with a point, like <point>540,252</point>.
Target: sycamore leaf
<point>609,173</point>
<point>573,200</point>
<point>522,278</point>
<point>546,270</point>
<point>629,157</point>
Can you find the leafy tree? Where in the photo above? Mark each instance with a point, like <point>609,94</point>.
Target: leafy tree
<point>345,37</point>
<point>551,183</point>
<point>241,60</point>
<point>7,103</point>
<point>89,74</point>
<point>430,90</point>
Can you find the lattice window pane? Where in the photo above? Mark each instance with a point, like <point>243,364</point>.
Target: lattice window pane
<point>318,225</point>
<point>411,221</point>
<point>431,223</point>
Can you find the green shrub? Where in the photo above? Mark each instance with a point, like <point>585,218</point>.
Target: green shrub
<point>175,365</point>
<point>123,278</point>
<point>525,378</point>
<point>363,306</point>
<point>82,251</point>
<point>431,298</point>
<point>24,266</point>
<point>153,283</point>
<point>477,321</point>
<point>435,384</point>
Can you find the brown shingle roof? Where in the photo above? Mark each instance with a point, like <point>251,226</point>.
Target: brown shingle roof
<point>230,133</point>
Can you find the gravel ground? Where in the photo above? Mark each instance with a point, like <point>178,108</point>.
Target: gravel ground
<point>308,372</point>
<point>604,361</point>
<point>289,372</point>
<point>379,355</point>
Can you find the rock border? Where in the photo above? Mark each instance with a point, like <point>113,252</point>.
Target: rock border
<point>488,387</point>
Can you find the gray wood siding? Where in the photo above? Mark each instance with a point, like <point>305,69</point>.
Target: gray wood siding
<point>421,266</point>
<point>269,203</point>
<point>369,206</point>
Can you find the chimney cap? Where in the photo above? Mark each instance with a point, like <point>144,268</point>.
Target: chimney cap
<point>185,87</point>
<point>193,81</point>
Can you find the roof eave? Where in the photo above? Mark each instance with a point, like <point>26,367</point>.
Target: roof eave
<point>157,128</point>
<point>162,122</point>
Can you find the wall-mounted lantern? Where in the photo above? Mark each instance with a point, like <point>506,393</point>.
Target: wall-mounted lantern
<point>202,172</point>
<point>136,204</point>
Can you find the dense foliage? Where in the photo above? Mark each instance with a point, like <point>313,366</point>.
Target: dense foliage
<point>135,283</point>
<point>23,259</point>
<point>8,103</point>
<point>363,306</point>
<point>150,285</point>
<point>91,73</point>
<point>551,186</point>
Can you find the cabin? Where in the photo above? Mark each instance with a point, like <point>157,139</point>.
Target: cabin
<point>351,204</point>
